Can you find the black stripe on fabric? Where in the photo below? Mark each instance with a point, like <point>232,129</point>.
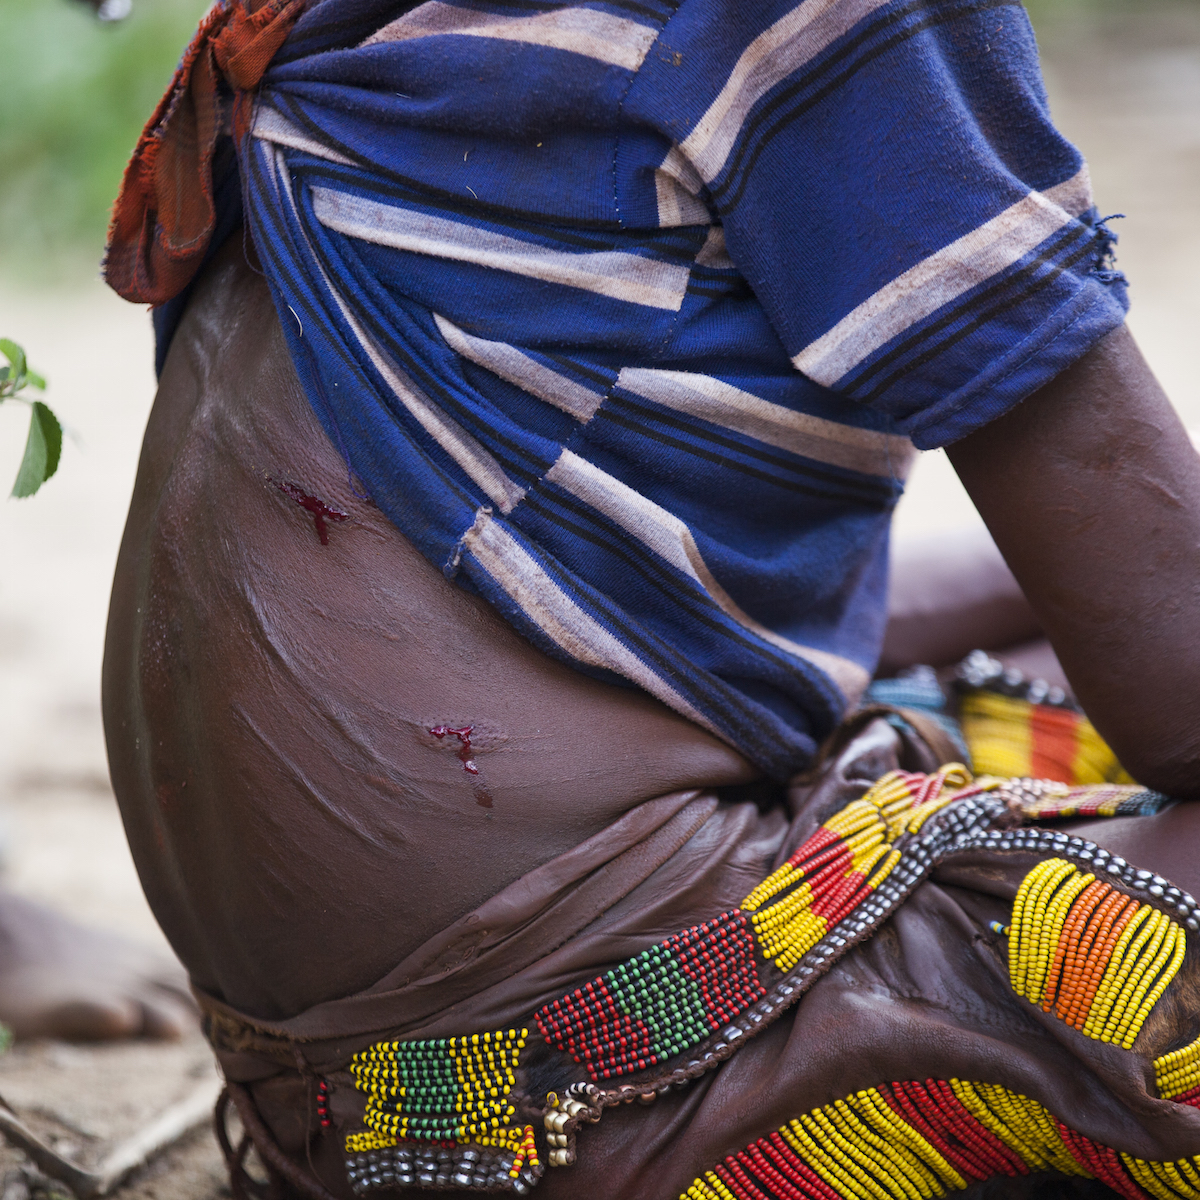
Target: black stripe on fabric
<point>657,436</point>
<point>640,558</point>
<point>665,247</point>
<point>714,292</point>
<point>749,132</point>
<point>660,15</point>
<point>566,362</point>
<point>699,428</point>
<point>815,702</point>
<point>514,458</point>
<point>518,461</point>
<point>592,373</point>
<point>615,620</point>
<point>331,173</point>
<point>1062,239</point>
<point>284,268</point>
<point>442,197</point>
<point>957,336</point>
<point>717,274</point>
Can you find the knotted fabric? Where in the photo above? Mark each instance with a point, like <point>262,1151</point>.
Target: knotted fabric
<point>164,216</point>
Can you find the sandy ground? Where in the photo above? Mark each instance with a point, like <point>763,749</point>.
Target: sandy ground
<point>1126,89</point>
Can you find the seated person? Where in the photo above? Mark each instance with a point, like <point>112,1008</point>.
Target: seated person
<point>508,562</point>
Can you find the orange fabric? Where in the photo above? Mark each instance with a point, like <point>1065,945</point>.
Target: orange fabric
<point>163,217</point>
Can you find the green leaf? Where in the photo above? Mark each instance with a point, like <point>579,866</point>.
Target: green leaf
<point>15,355</point>
<point>37,381</point>
<point>42,450</point>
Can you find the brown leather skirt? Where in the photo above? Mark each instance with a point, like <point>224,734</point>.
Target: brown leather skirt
<point>898,1060</point>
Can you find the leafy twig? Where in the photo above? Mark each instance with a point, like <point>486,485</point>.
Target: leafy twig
<point>43,447</point>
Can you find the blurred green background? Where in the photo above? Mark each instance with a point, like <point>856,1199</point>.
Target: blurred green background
<point>75,92</point>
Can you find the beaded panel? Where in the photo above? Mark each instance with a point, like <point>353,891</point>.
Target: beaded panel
<point>1092,955</point>
<point>673,996</point>
<point>916,1140</point>
<point>455,1089</point>
<point>840,865</point>
<point>660,1003</point>
<point>1043,800</point>
<point>680,1008</point>
<point>1009,736</point>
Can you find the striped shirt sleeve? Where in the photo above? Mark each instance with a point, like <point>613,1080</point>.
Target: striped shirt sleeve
<point>890,182</point>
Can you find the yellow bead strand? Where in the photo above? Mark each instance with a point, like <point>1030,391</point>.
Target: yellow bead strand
<point>872,1106</point>
<point>1179,1071</point>
<point>1029,910</point>
<point>1114,976</point>
<point>1132,965</point>
<point>1159,974</point>
<point>1050,930</point>
<point>839,1139</point>
<point>1144,1174</point>
<point>897,1157</point>
<point>772,885</point>
<point>843,1176</point>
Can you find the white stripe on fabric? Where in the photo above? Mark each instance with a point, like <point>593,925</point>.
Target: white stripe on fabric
<point>672,540</point>
<point>527,373</point>
<point>466,451</point>
<point>562,620</point>
<point>1073,195</point>
<point>676,205</point>
<point>614,273</point>
<point>677,166</point>
<point>864,450</point>
<point>714,253</point>
<point>776,53</point>
<point>934,282</point>
<point>617,41</point>
<point>270,125</point>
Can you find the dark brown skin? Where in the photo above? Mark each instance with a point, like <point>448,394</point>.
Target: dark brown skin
<point>269,699</point>
<point>1091,489</point>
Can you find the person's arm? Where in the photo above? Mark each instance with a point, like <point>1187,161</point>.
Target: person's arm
<point>1091,489</point>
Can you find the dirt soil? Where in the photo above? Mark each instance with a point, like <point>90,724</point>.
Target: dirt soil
<point>1125,88</point>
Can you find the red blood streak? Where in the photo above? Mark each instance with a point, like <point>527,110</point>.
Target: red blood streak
<point>464,749</point>
<point>321,512</point>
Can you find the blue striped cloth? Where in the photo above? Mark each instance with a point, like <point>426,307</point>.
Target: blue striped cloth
<point>629,313</point>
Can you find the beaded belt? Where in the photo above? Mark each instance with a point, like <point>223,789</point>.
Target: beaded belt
<point>1092,939</point>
